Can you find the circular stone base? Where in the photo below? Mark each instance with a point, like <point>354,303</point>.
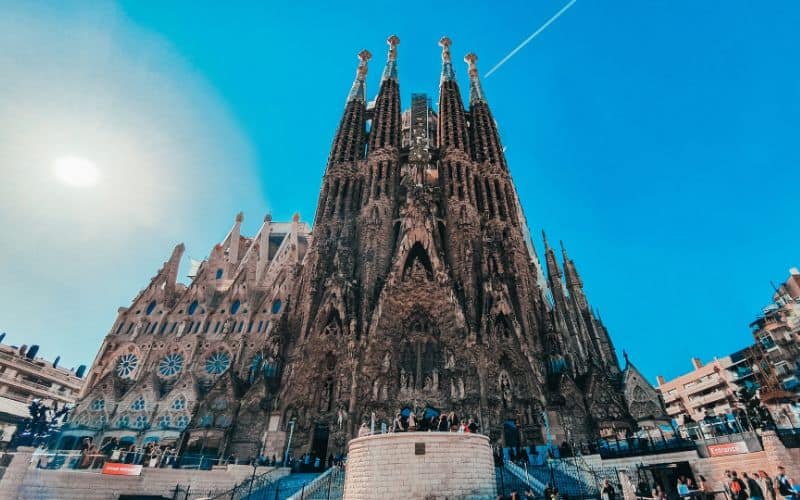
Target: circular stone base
<point>424,465</point>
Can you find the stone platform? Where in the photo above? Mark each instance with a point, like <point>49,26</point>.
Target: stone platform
<point>424,465</point>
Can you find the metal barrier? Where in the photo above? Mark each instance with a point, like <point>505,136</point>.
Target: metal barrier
<point>327,486</point>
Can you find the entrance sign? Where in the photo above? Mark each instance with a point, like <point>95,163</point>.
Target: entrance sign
<point>117,469</point>
<point>720,450</point>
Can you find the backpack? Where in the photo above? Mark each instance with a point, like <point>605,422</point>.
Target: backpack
<point>783,486</point>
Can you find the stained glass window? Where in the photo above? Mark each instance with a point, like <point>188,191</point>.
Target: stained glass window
<point>206,420</point>
<point>276,306</point>
<point>101,421</point>
<point>123,421</point>
<point>235,306</point>
<point>126,365</point>
<point>138,404</point>
<point>182,421</point>
<point>179,404</point>
<point>164,421</point>
<point>217,363</point>
<point>98,404</point>
<point>192,308</point>
<point>150,307</point>
<point>171,364</point>
<point>140,422</point>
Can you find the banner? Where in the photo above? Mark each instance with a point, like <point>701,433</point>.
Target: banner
<point>118,469</point>
<point>720,450</point>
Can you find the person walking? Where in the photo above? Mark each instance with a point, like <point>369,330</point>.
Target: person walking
<point>608,493</point>
<point>737,487</point>
<point>753,487</point>
<point>767,486</point>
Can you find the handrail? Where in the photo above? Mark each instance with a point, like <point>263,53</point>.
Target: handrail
<point>313,485</point>
<point>536,485</point>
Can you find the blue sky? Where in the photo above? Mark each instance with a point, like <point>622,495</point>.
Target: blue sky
<point>657,139</point>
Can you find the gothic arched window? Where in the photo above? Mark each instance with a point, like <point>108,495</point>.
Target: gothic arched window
<point>140,422</point>
<point>98,404</point>
<point>138,404</point>
<point>192,308</point>
<point>182,421</point>
<point>235,306</point>
<point>276,306</point>
<point>150,307</point>
<point>123,422</point>
<point>164,421</point>
<point>418,262</point>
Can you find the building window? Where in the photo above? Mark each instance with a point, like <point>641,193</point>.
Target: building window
<point>138,405</point>
<point>98,404</point>
<point>276,306</point>
<point>123,421</point>
<point>235,306</point>
<point>126,365</point>
<point>164,421</point>
<point>179,404</point>
<point>140,422</point>
<point>150,307</point>
<point>206,420</point>
<point>192,308</point>
<point>171,364</point>
<point>182,421</point>
<point>219,273</point>
<point>217,363</point>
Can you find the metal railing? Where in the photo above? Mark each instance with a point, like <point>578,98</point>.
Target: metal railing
<point>327,486</point>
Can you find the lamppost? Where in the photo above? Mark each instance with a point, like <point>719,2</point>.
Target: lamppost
<point>288,442</point>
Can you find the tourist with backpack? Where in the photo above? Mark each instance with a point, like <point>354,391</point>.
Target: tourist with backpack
<point>785,486</point>
<point>737,487</point>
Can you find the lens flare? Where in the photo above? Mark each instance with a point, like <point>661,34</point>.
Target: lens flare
<point>75,171</point>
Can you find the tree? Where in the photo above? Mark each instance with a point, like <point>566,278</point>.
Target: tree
<point>43,424</point>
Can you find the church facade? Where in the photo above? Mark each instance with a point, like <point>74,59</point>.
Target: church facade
<point>418,290</point>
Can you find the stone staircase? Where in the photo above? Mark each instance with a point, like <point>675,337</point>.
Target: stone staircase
<point>283,488</point>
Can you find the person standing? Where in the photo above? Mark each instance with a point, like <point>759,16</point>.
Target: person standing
<point>785,486</point>
<point>608,493</point>
<point>737,487</point>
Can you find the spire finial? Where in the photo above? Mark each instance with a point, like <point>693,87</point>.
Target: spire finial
<point>358,91</point>
<point>390,72</point>
<point>563,250</point>
<point>544,238</point>
<point>240,217</point>
<point>447,64</point>
<point>475,90</point>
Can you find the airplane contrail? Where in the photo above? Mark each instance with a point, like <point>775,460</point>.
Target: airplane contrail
<point>528,40</point>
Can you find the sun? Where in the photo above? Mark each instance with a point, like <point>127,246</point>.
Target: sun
<point>75,171</point>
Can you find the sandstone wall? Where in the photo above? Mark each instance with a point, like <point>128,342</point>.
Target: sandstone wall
<point>22,481</point>
<point>451,466</point>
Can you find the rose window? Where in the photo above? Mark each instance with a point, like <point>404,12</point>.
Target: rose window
<point>126,365</point>
<point>217,363</point>
<point>171,364</point>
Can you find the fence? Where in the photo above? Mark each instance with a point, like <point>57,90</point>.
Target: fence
<point>255,488</point>
<point>327,486</point>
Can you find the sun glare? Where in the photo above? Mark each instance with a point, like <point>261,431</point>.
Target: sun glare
<point>75,171</point>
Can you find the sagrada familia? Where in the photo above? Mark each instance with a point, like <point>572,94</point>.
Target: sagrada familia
<point>417,290</point>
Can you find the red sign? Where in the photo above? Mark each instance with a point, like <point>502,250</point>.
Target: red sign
<point>720,450</point>
<point>118,469</point>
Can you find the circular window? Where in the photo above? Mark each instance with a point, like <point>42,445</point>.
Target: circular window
<point>217,363</point>
<point>126,365</point>
<point>171,364</point>
<point>276,306</point>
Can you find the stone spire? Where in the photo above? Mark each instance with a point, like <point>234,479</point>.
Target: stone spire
<point>358,92</point>
<point>453,133</point>
<point>447,64</point>
<point>475,89</point>
<point>386,124</point>
<point>348,145</point>
<point>390,71</point>
<point>574,283</point>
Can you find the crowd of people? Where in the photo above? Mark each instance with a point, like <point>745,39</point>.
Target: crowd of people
<point>759,486</point>
<point>410,421</point>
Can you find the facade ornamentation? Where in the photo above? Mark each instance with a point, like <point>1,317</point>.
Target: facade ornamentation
<point>419,291</point>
